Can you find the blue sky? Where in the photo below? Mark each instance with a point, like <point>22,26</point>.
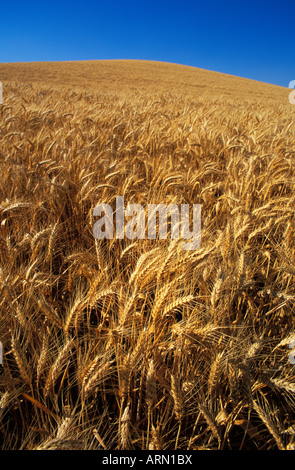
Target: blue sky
<point>252,39</point>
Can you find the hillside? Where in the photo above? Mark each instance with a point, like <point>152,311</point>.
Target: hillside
<point>138,343</point>
<point>141,76</point>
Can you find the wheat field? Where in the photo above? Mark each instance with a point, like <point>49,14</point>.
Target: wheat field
<point>139,344</point>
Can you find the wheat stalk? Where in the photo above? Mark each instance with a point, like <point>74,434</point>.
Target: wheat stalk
<point>270,424</point>
<point>21,360</point>
<point>55,369</point>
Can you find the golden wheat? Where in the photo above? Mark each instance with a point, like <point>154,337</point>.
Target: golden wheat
<point>139,344</point>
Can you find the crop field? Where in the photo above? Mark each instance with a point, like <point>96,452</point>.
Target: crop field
<point>137,343</point>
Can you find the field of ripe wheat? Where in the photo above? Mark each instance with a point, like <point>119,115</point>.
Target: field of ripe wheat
<point>139,344</point>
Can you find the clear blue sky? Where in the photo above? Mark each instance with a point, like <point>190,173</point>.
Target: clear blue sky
<point>253,39</point>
